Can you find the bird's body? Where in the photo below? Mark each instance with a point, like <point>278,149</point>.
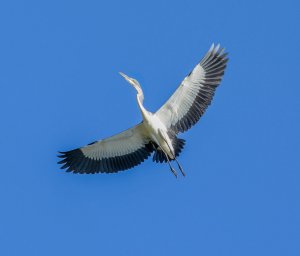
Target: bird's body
<point>158,131</point>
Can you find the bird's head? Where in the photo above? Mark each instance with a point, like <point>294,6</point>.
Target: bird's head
<point>132,81</point>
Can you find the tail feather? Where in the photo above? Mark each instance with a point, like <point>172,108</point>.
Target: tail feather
<point>178,145</point>
<point>159,156</point>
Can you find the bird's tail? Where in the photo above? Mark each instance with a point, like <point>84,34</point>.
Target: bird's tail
<point>160,157</point>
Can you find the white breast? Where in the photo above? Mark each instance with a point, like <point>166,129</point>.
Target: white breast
<point>155,129</point>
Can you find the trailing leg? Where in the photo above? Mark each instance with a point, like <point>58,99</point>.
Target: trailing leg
<point>171,168</point>
<point>180,167</point>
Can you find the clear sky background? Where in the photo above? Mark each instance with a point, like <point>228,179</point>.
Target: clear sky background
<point>60,89</point>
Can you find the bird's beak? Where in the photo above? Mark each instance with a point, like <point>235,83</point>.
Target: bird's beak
<point>127,78</point>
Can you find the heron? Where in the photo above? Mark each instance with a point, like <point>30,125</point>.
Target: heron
<point>157,134</point>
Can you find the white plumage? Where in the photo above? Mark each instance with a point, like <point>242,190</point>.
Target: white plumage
<point>158,131</point>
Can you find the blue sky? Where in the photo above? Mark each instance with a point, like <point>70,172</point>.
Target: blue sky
<point>60,89</point>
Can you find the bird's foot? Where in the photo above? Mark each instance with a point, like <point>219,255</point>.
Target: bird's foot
<point>180,167</point>
<point>174,172</point>
<point>182,171</point>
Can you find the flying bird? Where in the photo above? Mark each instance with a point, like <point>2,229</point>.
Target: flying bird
<point>158,131</point>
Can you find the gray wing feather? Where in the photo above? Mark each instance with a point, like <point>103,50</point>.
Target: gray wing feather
<point>120,152</point>
<point>188,103</point>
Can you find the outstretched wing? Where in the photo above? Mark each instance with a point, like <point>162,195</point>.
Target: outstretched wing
<point>120,152</point>
<point>185,107</point>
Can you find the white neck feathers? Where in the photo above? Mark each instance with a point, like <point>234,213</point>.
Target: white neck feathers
<point>140,100</point>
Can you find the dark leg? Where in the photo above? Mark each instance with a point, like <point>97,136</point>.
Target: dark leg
<point>181,169</point>
<point>171,168</point>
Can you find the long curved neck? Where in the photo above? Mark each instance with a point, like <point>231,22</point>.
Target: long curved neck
<point>140,100</point>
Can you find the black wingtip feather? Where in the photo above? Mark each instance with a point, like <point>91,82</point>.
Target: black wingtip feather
<point>214,64</point>
<point>75,161</point>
